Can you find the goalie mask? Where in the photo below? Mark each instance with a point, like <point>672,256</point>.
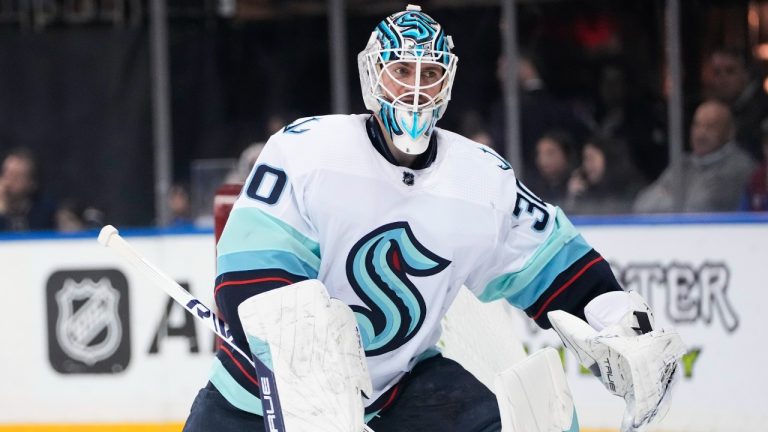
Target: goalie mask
<point>406,74</point>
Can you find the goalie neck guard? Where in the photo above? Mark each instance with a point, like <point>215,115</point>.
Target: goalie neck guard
<point>406,74</point>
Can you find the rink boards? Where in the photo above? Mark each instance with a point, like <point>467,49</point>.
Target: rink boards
<point>87,341</point>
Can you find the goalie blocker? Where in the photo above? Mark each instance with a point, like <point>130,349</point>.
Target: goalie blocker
<point>310,344</point>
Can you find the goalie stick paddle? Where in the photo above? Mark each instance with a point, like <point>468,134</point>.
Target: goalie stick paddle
<point>110,238</point>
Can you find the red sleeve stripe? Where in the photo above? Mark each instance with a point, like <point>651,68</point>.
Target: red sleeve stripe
<point>566,285</point>
<point>240,366</point>
<point>391,397</point>
<point>251,281</point>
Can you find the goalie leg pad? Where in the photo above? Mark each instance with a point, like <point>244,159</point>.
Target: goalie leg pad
<point>484,348</point>
<point>533,395</point>
<point>310,343</point>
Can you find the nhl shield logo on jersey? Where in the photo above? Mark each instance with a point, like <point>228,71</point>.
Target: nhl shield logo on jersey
<point>88,330</point>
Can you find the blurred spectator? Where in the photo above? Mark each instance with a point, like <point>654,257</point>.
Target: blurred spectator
<point>622,113</point>
<point>712,176</point>
<point>474,128</point>
<point>244,164</point>
<point>69,217</point>
<point>728,78</point>
<point>756,192</point>
<point>251,153</point>
<point>180,205</point>
<point>606,182</point>
<point>73,216</point>
<point>540,111</point>
<point>277,121</point>
<point>554,165</point>
<point>23,206</point>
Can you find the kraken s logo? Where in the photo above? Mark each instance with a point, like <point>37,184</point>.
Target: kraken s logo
<point>378,267</point>
<point>417,26</point>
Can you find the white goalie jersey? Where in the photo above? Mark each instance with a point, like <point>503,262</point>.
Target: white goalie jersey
<point>393,243</point>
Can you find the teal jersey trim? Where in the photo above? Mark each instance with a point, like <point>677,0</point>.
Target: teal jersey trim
<point>253,230</point>
<point>272,259</point>
<point>234,393</point>
<point>260,348</point>
<point>428,353</point>
<point>368,417</point>
<point>574,422</point>
<point>241,398</point>
<point>522,288</point>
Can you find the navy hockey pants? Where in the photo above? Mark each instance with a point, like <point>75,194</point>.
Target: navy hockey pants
<point>437,395</point>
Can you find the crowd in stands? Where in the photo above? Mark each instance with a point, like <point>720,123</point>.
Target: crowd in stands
<point>609,155</point>
<point>23,204</point>
<point>602,156</point>
<point>26,206</point>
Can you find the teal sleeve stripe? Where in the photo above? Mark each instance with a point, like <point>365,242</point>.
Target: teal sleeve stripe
<point>260,349</point>
<point>232,391</point>
<point>563,247</point>
<point>265,259</point>
<point>250,229</point>
<point>569,254</point>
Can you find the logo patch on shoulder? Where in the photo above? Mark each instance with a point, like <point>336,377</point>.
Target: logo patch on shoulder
<point>296,128</point>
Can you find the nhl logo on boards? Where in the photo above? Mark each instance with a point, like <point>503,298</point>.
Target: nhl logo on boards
<point>88,327</point>
<point>408,178</point>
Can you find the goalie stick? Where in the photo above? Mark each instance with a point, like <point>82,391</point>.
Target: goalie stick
<point>109,237</point>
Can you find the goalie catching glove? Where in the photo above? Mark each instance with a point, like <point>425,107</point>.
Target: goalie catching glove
<point>621,346</point>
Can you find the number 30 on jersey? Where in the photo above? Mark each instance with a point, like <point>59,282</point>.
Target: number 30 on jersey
<point>267,184</point>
